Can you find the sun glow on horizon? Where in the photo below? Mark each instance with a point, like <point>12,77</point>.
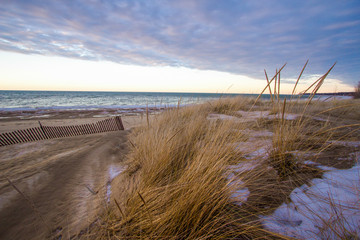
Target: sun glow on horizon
<point>36,72</point>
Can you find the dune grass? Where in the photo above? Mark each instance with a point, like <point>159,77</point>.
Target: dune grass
<point>192,176</point>
<point>184,189</point>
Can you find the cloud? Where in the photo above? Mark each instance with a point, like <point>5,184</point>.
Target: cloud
<point>238,37</point>
<point>341,25</point>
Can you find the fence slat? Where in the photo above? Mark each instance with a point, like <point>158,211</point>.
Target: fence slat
<point>70,134</point>
<point>17,136</point>
<point>76,130</point>
<point>95,128</point>
<point>33,134</point>
<point>63,131</point>
<point>9,138</point>
<point>73,130</point>
<point>58,132</point>
<point>102,125</point>
<point>110,125</point>
<point>14,137</point>
<point>52,130</point>
<point>58,128</point>
<point>5,139</point>
<point>43,130</point>
<point>46,132</point>
<point>87,128</point>
<point>66,131</point>
<point>98,127</point>
<point>113,124</point>
<point>23,135</point>
<point>31,137</point>
<point>88,131</point>
<point>27,135</point>
<point>81,128</point>
<point>36,134</point>
<point>81,131</point>
<point>120,124</point>
<point>41,133</point>
<point>2,140</point>
<point>91,130</point>
<point>49,132</point>
<point>107,124</point>
<point>53,133</point>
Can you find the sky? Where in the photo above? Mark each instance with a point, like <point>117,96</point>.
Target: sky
<point>177,46</point>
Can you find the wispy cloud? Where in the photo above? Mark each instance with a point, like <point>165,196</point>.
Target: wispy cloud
<point>234,36</point>
<point>342,25</point>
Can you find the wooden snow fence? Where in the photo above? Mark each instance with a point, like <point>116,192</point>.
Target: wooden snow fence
<point>50,132</point>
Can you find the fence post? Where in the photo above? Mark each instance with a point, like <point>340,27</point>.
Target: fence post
<point>42,129</point>
<point>119,123</point>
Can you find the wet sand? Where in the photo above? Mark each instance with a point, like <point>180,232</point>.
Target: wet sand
<point>57,187</point>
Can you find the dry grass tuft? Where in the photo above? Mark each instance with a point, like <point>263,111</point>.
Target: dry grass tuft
<point>230,105</point>
<point>183,189</point>
<point>357,91</point>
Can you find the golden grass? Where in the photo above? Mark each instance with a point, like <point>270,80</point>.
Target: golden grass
<point>181,183</point>
<point>181,160</point>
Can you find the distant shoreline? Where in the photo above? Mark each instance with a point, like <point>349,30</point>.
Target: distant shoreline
<point>334,94</point>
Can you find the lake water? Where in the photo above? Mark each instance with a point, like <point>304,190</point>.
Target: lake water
<point>61,100</point>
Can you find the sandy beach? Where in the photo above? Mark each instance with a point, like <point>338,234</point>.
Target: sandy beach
<point>57,187</point>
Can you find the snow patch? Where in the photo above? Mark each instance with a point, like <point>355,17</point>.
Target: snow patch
<point>254,149</point>
<point>334,200</point>
<point>245,166</point>
<point>113,171</point>
<point>240,193</point>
